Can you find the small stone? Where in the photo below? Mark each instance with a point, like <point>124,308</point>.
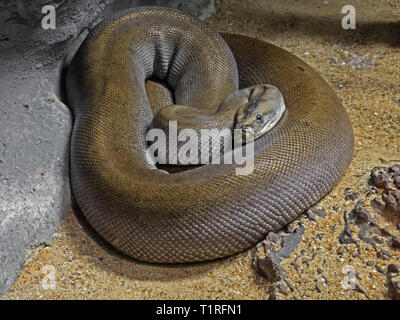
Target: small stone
<point>391,201</point>
<point>377,239</point>
<point>393,280</point>
<point>320,212</point>
<point>395,169</point>
<point>268,265</point>
<point>378,204</point>
<point>276,247</point>
<point>392,268</point>
<point>396,181</point>
<point>379,268</point>
<point>310,215</point>
<point>360,62</point>
<point>346,236</point>
<point>340,250</point>
<point>273,237</point>
<point>395,242</point>
<point>384,255</point>
<point>380,177</point>
<point>351,196</point>
<point>362,214</point>
<point>290,228</point>
<point>370,191</point>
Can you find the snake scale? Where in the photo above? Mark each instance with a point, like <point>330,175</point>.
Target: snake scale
<point>209,211</point>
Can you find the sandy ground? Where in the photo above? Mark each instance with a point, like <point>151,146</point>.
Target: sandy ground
<point>362,66</point>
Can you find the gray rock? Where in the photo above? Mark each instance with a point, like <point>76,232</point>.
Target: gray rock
<point>349,195</point>
<point>35,124</point>
<point>346,237</point>
<point>270,253</point>
<point>380,177</point>
<point>34,127</point>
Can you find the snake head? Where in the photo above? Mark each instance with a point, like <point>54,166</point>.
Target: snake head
<point>262,111</point>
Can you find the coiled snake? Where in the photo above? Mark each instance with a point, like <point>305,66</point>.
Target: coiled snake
<point>208,211</point>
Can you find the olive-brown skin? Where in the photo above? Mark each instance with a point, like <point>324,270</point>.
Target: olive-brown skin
<point>206,212</point>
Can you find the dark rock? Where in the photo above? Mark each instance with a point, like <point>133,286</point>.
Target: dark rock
<point>340,250</point>
<point>268,264</point>
<point>392,268</point>
<point>391,201</point>
<point>274,237</point>
<point>395,242</point>
<point>370,191</point>
<point>377,239</point>
<point>368,234</point>
<point>320,212</point>
<point>395,169</point>
<point>393,281</point>
<point>362,214</point>
<point>273,249</point>
<point>350,195</point>
<point>380,177</point>
<point>396,181</point>
<point>378,204</point>
<point>310,215</point>
<point>379,268</point>
<point>280,288</point>
<point>346,236</point>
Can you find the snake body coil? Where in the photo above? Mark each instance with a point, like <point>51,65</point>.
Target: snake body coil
<point>210,211</point>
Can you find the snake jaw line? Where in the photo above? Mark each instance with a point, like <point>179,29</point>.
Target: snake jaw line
<point>261,113</point>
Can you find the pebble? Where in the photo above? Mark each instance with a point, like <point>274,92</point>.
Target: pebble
<point>384,255</point>
<point>380,177</point>
<point>395,242</point>
<point>346,236</point>
<point>362,214</point>
<point>393,277</point>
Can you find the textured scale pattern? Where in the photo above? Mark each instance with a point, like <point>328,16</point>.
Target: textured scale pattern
<point>206,212</point>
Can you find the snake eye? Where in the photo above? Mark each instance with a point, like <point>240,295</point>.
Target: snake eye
<point>259,118</point>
